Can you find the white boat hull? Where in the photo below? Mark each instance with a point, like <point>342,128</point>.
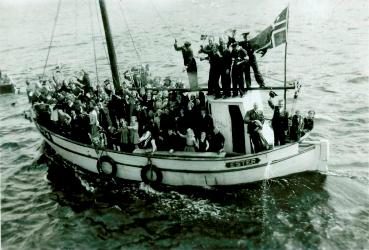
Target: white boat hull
<point>184,169</point>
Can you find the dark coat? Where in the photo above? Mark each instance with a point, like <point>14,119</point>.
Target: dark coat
<point>251,116</point>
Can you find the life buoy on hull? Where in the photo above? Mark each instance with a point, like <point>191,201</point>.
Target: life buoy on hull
<point>150,174</point>
<point>106,166</point>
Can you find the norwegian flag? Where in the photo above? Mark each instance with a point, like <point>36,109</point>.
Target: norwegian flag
<point>273,36</point>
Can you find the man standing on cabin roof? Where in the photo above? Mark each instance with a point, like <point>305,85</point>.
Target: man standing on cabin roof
<point>254,119</point>
<point>239,59</point>
<point>189,62</point>
<point>214,72</point>
<point>231,39</point>
<point>279,122</point>
<point>226,63</point>
<point>251,63</point>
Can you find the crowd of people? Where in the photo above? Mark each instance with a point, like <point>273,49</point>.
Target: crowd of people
<point>285,127</point>
<point>126,119</point>
<point>230,64</point>
<point>149,113</point>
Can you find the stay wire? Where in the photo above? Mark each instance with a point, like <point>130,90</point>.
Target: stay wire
<point>130,33</point>
<point>52,37</point>
<point>162,19</point>
<point>166,25</point>
<point>93,40</point>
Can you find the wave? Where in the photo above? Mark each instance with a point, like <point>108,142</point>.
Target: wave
<point>356,175</point>
<point>12,49</point>
<point>359,79</point>
<point>10,145</point>
<point>325,89</point>
<point>323,118</point>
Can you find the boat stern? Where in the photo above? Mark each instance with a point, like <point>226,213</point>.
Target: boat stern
<point>324,155</point>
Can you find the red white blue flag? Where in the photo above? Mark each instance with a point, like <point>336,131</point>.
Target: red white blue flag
<point>274,35</point>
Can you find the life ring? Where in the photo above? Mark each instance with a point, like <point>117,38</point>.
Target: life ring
<point>150,174</point>
<point>106,166</point>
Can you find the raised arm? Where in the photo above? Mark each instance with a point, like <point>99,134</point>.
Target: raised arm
<point>176,47</point>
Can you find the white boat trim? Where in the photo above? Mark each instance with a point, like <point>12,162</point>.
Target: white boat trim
<point>191,170</point>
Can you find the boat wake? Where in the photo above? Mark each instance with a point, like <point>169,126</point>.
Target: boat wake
<point>357,175</point>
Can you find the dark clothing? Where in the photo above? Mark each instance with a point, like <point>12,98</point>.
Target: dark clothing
<point>171,142</point>
<point>104,119</point>
<point>214,71</point>
<point>251,63</point>
<point>226,64</point>
<point>279,124</point>
<point>217,142</point>
<point>202,146</point>
<point>117,109</point>
<point>231,40</point>
<point>204,124</point>
<point>308,124</point>
<point>253,129</point>
<point>250,116</point>
<point>296,127</point>
<point>181,124</point>
<point>239,60</point>
<point>190,63</point>
<point>190,120</point>
<point>86,82</point>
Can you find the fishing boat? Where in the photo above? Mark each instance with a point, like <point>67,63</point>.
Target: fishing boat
<point>236,165</point>
<point>7,86</point>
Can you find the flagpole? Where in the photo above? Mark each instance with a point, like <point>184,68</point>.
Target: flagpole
<point>285,62</point>
<point>285,76</point>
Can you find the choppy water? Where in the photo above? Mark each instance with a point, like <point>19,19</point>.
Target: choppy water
<point>328,51</point>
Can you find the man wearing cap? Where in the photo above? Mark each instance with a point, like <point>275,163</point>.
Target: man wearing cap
<point>189,62</point>
<point>226,63</point>
<point>251,63</point>
<point>239,59</point>
<point>231,39</point>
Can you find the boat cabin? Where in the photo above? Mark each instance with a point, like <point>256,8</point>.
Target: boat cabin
<point>228,115</point>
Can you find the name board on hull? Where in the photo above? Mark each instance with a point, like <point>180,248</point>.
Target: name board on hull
<point>242,163</point>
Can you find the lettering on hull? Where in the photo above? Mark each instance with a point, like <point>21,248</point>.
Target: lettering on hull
<point>246,162</point>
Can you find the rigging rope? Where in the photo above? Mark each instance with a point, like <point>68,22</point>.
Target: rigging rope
<point>169,29</point>
<point>52,37</point>
<point>93,40</point>
<point>295,96</point>
<point>129,32</point>
<point>162,19</point>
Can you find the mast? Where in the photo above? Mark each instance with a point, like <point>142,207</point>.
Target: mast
<point>110,45</point>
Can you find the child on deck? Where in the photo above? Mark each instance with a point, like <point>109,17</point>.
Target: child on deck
<point>133,132</point>
<point>203,144</point>
<point>191,141</point>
